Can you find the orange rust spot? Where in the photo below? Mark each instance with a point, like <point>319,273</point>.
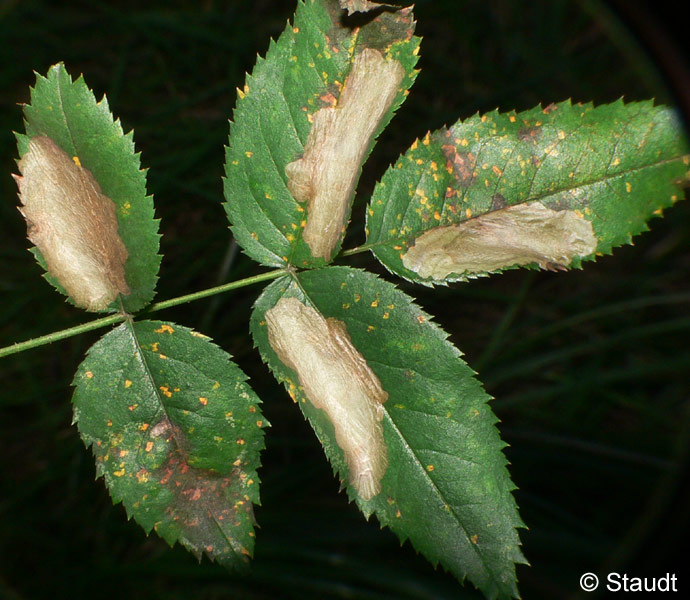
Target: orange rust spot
<point>149,446</point>
<point>398,514</point>
<point>252,409</point>
<point>497,171</point>
<point>329,99</point>
<point>166,391</point>
<point>110,423</point>
<point>259,423</point>
<point>132,406</point>
<point>203,400</point>
<point>375,303</point>
<point>165,329</point>
<point>89,374</point>
<point>474,538</point>
<point>240,442</point>
<point>437,216</point>
<point>144,427</point>
<point>430,468</point>
<point>421,318</point>
<point>128,383</point>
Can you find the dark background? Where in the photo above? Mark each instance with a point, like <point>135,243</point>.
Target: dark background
<point>589,369</point>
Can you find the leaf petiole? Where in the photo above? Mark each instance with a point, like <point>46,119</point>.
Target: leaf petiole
<point>112,319</point>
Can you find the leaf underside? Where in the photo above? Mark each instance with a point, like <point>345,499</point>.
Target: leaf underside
<point>302,73</point>
<point>176,433</point>
<point>446,487</point>
<point>67,112</point>
<point>616,166</point>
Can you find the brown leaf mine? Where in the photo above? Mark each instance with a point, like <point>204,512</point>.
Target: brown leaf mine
<point>516,235</point>
<point>354,6</point>
<point>337,379</point>
<point>73,225</point>
<point>327,173</point>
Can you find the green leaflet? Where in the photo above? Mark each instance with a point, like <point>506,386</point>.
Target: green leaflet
<point>176,433</point>
<point>302,73</point>
<point>446,487</point>
<point>607,169</point>
<point>67,112</point>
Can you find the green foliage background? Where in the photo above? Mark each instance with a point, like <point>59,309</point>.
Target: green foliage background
<point>588,368</point>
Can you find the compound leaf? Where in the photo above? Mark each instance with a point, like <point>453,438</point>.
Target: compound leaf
<point>299,83</point>
<point>550,187</point>
<point>446,487</point>
<point>176,433</point>
<point>66,111</point>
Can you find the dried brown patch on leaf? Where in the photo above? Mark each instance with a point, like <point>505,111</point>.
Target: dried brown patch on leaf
<point>208,507</point>
<point>460,164</point>
<point>516,235</point>
<point>326,175</point>
<point>73,224</point>
<point>337,379</point>
<point>355,6</point>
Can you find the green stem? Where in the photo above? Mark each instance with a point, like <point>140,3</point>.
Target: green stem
<point>216,290</point>
<point>357,250</point>
<point>105,321</point>
<point>60,335</point>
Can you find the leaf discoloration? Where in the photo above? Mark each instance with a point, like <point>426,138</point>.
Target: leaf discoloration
<point>521,234</point>
<point>337,379</point>
<point>73,224</point>
<point>338,140</point>
<point>353,6</point>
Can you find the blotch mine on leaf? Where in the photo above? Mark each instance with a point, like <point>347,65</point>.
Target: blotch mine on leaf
<point>353,6</point>
<point>521,234</point>
<point>337,379</point>
<point>73,225</point>
<point>339,137</point>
